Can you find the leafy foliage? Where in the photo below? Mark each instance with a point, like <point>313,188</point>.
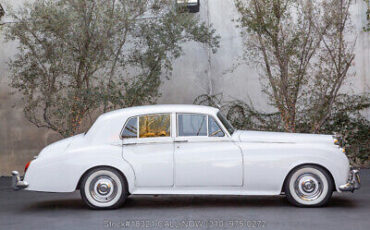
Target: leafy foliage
<point>354,128</point>
<point>2,13</point>
<point>78,58</point>
<point>366,28</point>
<point>300,51</point>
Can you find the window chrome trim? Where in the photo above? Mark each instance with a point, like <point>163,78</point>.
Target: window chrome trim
<point>225,134</point>
<point>124,126</point>
<point>172,126</point>
<point>177,124</point>
<point>138,127</point>
<point>154,114</point>
<point>207,115</point>
<point>222,127</point>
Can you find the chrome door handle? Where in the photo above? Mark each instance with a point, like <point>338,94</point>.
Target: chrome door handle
<point>181,141</point>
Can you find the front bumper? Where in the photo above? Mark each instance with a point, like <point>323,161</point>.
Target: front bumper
<point>17,182</point>
<point>353,183</point>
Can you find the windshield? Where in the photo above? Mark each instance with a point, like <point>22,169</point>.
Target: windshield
<point>226,123</point>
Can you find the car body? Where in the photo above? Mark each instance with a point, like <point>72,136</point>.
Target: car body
<point>185,149</point>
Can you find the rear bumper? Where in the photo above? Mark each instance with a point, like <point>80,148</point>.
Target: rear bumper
<point>17,182</point>
<point>353,183</point>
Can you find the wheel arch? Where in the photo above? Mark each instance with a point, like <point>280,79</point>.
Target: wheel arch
<point>104,166</point>
<point>307,164</point>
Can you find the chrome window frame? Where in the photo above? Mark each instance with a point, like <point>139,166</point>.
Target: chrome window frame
<point>218,126</point>
<point>124,127</point>
<point>138,127</point>
<point>226,134</point>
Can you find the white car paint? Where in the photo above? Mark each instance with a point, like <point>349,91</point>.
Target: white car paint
<point>202,162</point>
<point>152,162</point>
<point>244,163</point>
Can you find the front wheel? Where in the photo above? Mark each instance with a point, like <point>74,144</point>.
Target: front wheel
<point>103,188</point>
<point>309,186</point>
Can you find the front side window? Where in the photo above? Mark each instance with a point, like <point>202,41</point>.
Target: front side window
<point>130,130</point>
<point>156,125</point>
<point>226,123</point>
<point>214,129</point>
<point>192,125</point>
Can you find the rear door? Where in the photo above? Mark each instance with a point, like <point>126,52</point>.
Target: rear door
<point>148,147</point>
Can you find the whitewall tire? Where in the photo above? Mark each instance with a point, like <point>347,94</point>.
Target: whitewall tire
<point>103,188</point>
<point>309,186</point>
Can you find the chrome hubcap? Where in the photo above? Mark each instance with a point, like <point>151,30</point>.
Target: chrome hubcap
<point>308,186</point>
<point>103,189</point>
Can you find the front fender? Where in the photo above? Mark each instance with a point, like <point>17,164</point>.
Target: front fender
<point>339,171</point>
<point>267,166</point>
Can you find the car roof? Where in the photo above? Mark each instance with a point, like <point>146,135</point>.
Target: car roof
<point>148,109</point>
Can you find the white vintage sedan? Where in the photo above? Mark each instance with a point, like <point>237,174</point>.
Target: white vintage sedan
<point>187,149</point>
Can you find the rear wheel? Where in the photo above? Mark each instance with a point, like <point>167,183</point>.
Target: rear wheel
<point>309,186</point>
<point>103,188</point>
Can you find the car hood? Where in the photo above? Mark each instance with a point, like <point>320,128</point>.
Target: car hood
<point>281,137</point>
<point>59,146</point>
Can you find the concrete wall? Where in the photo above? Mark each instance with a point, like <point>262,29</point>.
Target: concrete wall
<point>243,83</point>
<point>197,72</point>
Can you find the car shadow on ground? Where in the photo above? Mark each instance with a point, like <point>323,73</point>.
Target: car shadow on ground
<point>175,201</point>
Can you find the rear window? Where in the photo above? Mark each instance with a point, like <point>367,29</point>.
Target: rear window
<point>130,130</point>
<point>155,125</point>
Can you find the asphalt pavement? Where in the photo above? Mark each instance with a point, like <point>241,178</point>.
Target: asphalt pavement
<point>36,210</point>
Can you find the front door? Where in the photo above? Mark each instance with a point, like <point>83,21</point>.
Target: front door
<point>149,149</point>
<point>204,155</point>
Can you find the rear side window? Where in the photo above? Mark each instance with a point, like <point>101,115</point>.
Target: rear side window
<point>130,130</point>
<point>155,125</point>
<point>192,125</point>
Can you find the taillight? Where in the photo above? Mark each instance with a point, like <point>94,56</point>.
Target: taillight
<point>27,165</point>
